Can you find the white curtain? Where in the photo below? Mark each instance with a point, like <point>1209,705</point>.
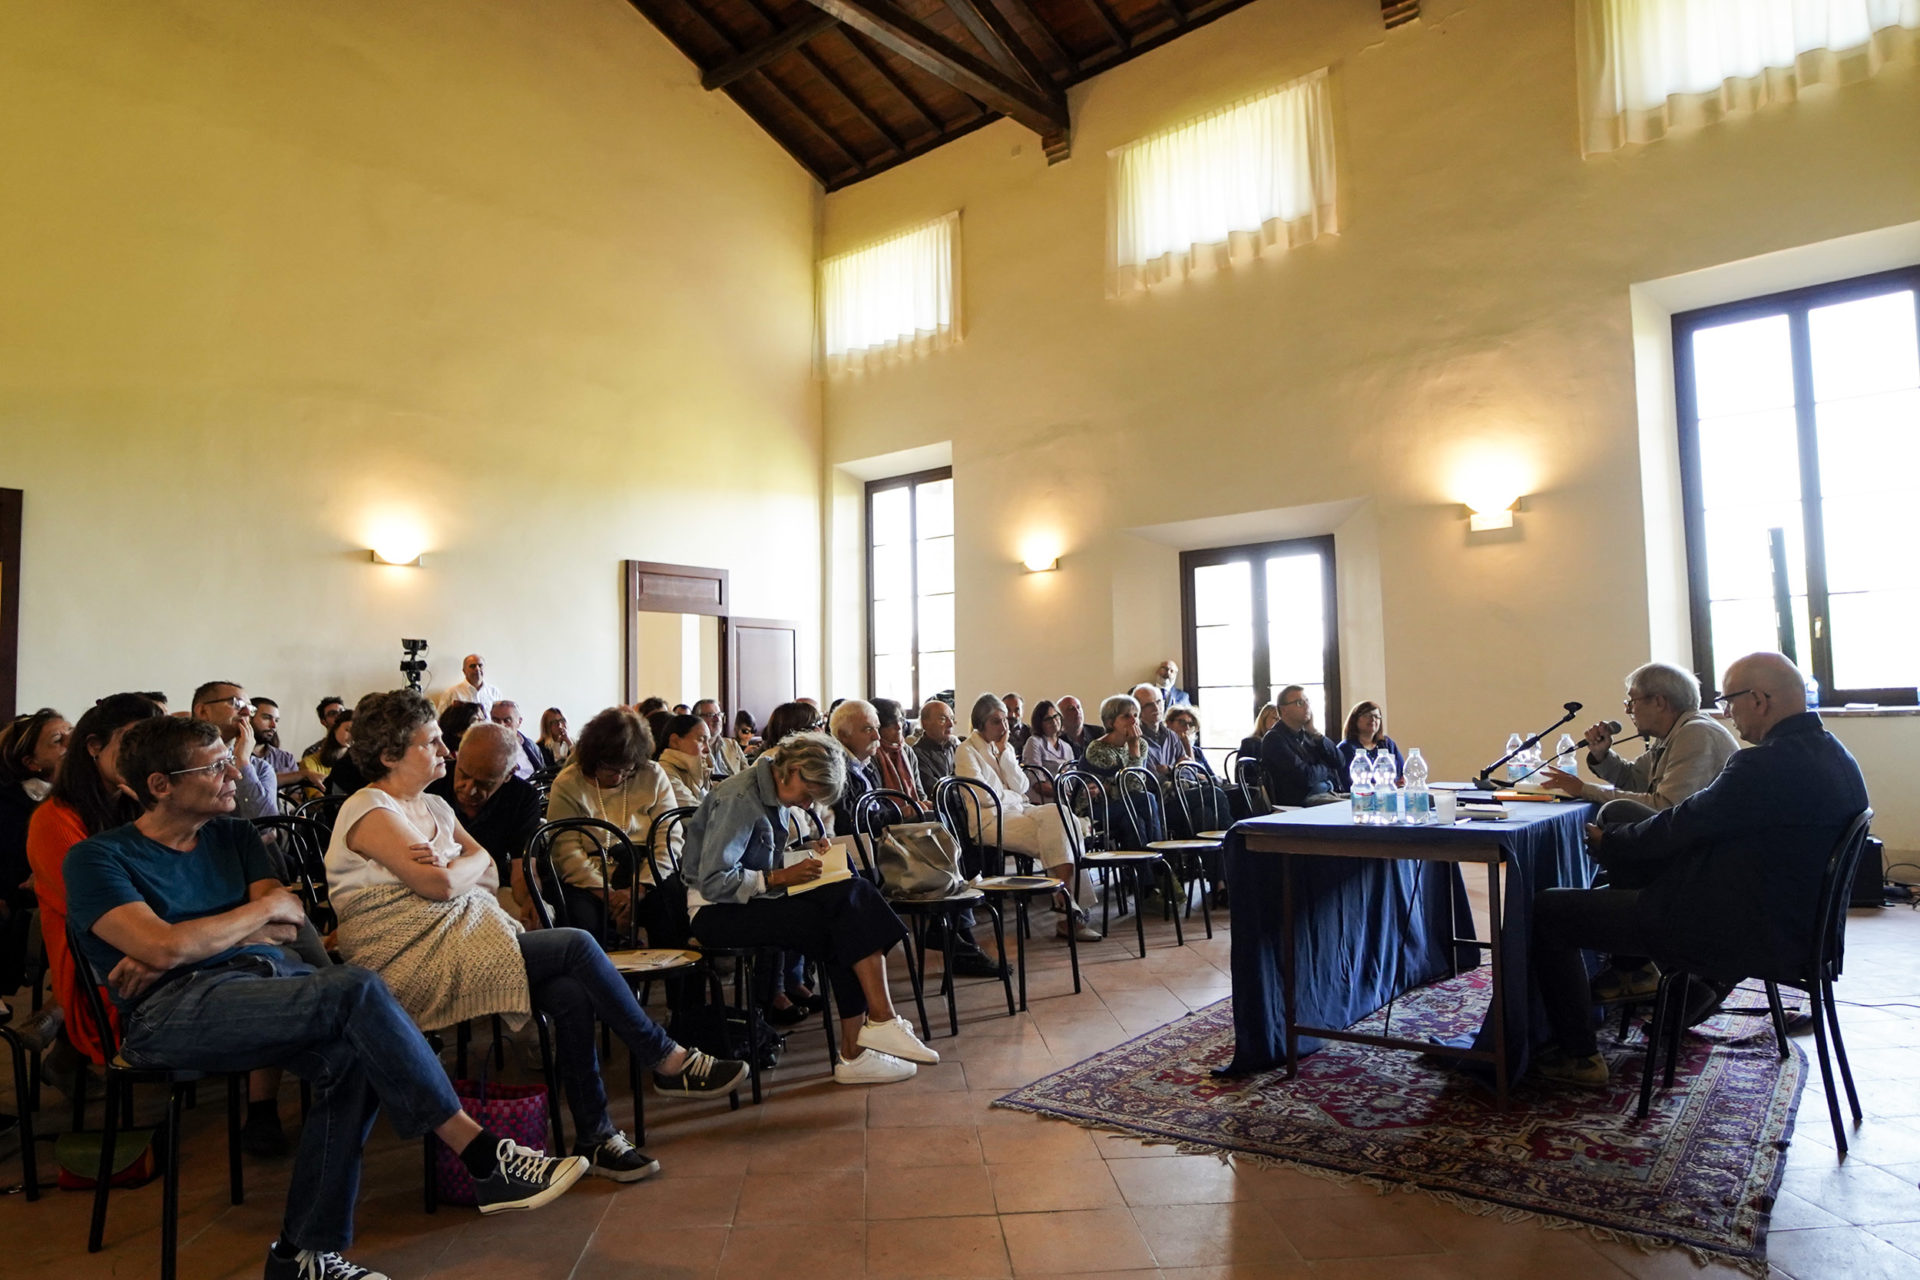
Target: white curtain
<point>1247,179</point>
<point>898,297</point>
<point>1647,66</point>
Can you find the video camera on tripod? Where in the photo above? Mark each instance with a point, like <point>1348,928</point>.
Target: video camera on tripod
<point>413,664</point>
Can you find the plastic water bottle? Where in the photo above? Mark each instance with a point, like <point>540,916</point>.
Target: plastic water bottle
<point>1386,788</point>
<point>1517,765</point>
<point>1417,800</point>
<point>1563,754</point>
<point>1360,777</point>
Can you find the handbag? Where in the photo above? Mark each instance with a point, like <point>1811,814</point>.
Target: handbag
<point>516,1111</point>
<point>78,1156</point>
<point>919,860</point>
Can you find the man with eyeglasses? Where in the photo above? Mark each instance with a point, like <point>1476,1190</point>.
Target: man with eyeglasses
<point>1733,872</point>
<point>1301,764</point>
<point>1686,749</point>
<point>499,809</point>
<point>223,704</point>
<point>723,749</point>
<point>1163,745</point>
<point>528,760</point>
<point>181,912</point>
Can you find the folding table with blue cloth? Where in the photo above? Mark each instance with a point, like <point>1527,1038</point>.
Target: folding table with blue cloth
<point>1378,911</point>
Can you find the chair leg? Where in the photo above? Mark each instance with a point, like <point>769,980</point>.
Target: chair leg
<point>110,1131</point>
<point>170,1191</point>
<point>1000,945</point>
<point>499,1044</point>
<point>1779,1020</point>
<point>429,1189</point>
<point>1206,896</point>
<point>1139,916</point>
<point>1676,1027</point>
<point>742,983</point>
<point>236,1117</point>
<point>461,1036</point>
<point>552,1076</point>
<point>1656,1026</point>
<point>1815,994</point>
<point>915,981</point>
<point>1073,954</point>
<point>946,976</point>
<point>1840,1051</point>
<point>1173,886</point>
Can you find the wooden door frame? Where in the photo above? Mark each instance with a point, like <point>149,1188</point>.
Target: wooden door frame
<point>11,503</point>
<point>633,599</point>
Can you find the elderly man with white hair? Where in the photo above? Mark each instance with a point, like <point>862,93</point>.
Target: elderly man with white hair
<point>988,756</point>
<point>1686,749</point>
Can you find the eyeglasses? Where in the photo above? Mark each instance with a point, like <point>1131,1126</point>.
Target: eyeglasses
<point>237,700</point>
<point>215,769</point>
<point>1725,700</point>
<point>1294,702</point>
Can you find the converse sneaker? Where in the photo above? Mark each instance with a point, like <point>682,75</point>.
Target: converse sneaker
<point>617,1158</point>
<point>895,1036</point>
<point>308,1265</point>
<point>872,1067</point>
<point>525,1179</point>
<point>702,1076</point>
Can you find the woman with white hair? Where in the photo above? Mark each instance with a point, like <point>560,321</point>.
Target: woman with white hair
<point>988,756</point>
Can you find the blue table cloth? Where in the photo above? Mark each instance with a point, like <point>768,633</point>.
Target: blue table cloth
<point>1369,929</point>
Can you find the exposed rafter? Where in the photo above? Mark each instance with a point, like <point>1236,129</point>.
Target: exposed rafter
<point>1397,13</point>
<point>996,35</point>
<point>1045,113</point>
<point>767,50</point>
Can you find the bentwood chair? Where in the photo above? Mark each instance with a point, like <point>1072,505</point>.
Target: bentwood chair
<point>1813,972</point>
<point>962,804</point>
<point>121,1077</point>
<point>299,846</point>
<point>872,814</point>
<point>1191,857</point>
<point>323,810</point>
<point>1077,791</point>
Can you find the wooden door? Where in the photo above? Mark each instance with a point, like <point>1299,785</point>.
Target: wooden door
<point>763,665</point>
<point>650,587</point>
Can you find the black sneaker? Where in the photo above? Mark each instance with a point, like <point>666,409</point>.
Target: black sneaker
<point>525,1179</point>
<point>307,1265</point>
<point>974,963</point>
<point>702,1076</point>
<point>617,1158</point>
<point>262,1137</point>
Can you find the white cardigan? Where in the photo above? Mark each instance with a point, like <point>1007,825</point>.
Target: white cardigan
<point>999,767</point>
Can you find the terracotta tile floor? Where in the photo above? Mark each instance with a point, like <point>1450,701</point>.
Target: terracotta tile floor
<point>926,1179</point>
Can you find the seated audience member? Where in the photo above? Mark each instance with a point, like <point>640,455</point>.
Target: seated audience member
<point>1121,746</point>
<point>1301,764</point>
<point>321,761</point>
<point>1017,729</point>
<point>899,770</point>
<point>1158,740</point>
<point>328,709</point>
<point>1686,749</point>
<point>1366,730</point>
<point>933,749</point>
<point>501,812</point>
<point>1074,729</point>
<point>471,687</point>
<point>266,740</point>
<point>611,776</point>
<point>685,752</point>
<point>1166,683</point>
<point>1046,749</point>
<point>737,895</point>
<point>855,725</point>
<point>725,755</point>
<point>1731,874</point>
<point>344,778</point>
<point>415,896</point>
<point>1033,829</point>
<point>457,719</point>
<point>1184,723</point>
<point>506,713</point>
<point>746,734</point>
<point>87,798</point>
<point>680,709</point>
<point>158,698</point>
<point>650,706</point>
<point>31,748</point>
<point>180,910</point>
<point>1263,720</point>
<point>556,744</point>
<point>223,704</point>
<point>783,986</point>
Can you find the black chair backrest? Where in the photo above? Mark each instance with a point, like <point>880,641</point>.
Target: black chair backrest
<point>89,982</point>
<point>663,849</point>
<point>1191,798</point>
<point>603,842</point>
<point>1080,791</point>
<point>323,810</point>
<point>869,823</point>
<point>299,846</point>
<point>961,804</point>
<point>1037,774</point>
<point>1830,932</point>
<point>1140,805</point>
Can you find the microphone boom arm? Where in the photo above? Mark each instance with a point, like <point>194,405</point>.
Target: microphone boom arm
<point>1486,775</point>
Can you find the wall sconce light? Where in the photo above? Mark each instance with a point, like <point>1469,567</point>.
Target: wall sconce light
<point>1485,514</point>
<point>398,557</point>
<point>1040,563</point>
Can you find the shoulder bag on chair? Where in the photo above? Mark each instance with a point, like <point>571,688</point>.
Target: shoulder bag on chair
<point>919,860</point>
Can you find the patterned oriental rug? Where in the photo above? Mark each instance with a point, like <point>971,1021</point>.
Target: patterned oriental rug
<point>1700,1173</point>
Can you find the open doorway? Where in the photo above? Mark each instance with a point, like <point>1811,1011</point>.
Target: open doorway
<point>675,632</point>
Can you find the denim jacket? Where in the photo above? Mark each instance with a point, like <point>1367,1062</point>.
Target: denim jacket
<point>736,837</point>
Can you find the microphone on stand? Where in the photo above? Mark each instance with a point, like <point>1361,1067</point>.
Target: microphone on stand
<point>1486,775</point>
<point>1611,726</point>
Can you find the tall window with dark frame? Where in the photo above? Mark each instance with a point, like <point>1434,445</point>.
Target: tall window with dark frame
<point>910,587</point>
<point>1256,619</point>
<point>1799,418</point>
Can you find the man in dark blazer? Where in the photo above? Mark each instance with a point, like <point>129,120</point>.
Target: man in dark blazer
<point>1734,869</point>
<point>1301,764</point>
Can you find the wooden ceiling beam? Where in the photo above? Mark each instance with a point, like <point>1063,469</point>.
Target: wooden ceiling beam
<point>1397,13</point>
<point>775,46</point>
<point>1111,23</point>
<point>893,141</point>
<point>1044,113</point>
<point>1025,10</point>
<point>1003,44</point>
<point>878,64</point>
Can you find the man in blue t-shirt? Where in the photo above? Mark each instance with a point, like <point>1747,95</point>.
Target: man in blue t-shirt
<point>182,913</point>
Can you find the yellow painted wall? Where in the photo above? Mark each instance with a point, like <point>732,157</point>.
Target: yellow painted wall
<point>279,276</point>
<point>1474,310</point>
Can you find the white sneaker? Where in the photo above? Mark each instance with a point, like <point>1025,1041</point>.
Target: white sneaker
<point>1082,931</point>
<point>896,1037</point>
<point>872,1067</point>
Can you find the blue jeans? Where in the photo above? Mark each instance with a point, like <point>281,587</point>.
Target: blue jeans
<point>338,1028</point>
<point>573,984</point>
